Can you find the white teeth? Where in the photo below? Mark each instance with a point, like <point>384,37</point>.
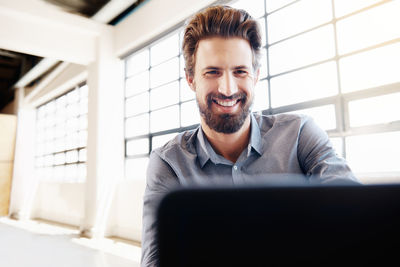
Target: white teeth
<point>226,103</point>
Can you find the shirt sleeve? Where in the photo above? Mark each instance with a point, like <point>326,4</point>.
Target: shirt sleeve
<point>319,160</point>
<point>160,180</point>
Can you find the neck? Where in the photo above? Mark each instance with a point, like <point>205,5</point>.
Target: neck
<point>230,146</point>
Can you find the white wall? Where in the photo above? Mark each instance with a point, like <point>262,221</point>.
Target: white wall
<point>151,19</point>
<point>47,32</point>
<point>107,204</point>
<point>125,218</point>
<point>59,202</point>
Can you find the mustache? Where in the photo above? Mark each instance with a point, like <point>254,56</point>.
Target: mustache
<point>240,95</point>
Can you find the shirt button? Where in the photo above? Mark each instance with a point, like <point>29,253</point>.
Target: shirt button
<point>235,167</point>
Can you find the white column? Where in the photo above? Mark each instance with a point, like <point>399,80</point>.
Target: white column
<point>24,182</point>
<point>105,147</point>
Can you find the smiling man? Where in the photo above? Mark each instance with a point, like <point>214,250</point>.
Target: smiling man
<point>224,85</point>
<point>232,146</point>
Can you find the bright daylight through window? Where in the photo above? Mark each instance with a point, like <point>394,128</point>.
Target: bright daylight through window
<point>61,134</point>
<point>335,60</point>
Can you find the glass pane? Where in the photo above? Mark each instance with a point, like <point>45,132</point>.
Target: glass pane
<point>59,158</point>
<point>343,7</point>
<point>48,160</point>
<point>323,116</point>
<point>136,147</point>
<point>189,113</point>
<point>181,33</point>
<point>302,50</point>
<point>59,145</point>
<point>60,102</point>
<point>71,173</point>
<point>80,139</point>
<point>137,63</point>
<point>41,112</point>
<point>61,115</point>
<point>83,105</point>
<point>72,125</point>
<point>82,172</point>
<point>164,119</point>
<point>137,104</point>
<point>374,152</point>
<point>254,7</point>
<point>161,140</point>
<point>51,106</point>
<point>72,141</point>
<point>137,125</point>
<point>263,67</point>
<point>40,124</point>
<point>71,156</point>
<point>182,67</point>
<point>83,122</point>
<point>275,4</point>
<point>83,91</point>
<point>165,95</point>
<point>303,85</point>
<point>186,92</point>
<point>337,144</point>
<point>137,84</point>
<point>165,72</point>
<point>50,120</point>
<point>261,96</point>
<point>73,97</point>
<point>73,109</point>
<point>136,168</point>
<point>370,69</point>
<point>261,23</point>
<point>297,18</point>
<point>59,173</point>
<point>374,110</point>
<point>165,49</point>
<point>60,130</point>
<point>82,155</point>
<point>368,28</point>
<point>49,134</point>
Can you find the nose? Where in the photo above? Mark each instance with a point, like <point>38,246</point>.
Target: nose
<point>227,85</point>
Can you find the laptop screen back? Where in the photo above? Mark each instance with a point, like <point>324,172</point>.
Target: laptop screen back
<point>280,226</point>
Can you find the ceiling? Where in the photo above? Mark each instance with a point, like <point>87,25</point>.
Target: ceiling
<point>14,65</point>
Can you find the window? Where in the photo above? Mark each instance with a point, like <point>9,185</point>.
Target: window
<point>158,102</point>
<point>334,60</point>
<point>61,133</point>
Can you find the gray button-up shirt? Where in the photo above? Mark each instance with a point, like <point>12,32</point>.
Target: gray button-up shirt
<point>282,149</point>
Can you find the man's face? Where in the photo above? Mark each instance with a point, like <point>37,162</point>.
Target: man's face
<point>224,82</point>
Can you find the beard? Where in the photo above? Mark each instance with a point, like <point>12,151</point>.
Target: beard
<point>225,123</point>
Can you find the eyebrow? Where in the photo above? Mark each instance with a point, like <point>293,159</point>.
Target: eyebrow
<point>234,68</point>
<point>241,67</point>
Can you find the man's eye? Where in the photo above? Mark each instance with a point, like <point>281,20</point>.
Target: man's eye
<point>212,72</point>
<point>240,72</point>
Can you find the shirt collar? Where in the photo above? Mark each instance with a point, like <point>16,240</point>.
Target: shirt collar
<point>205,151</point>
<point>255,137</point>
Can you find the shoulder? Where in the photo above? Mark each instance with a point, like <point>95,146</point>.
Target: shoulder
<point>182,143</point>
<point>287,121</point>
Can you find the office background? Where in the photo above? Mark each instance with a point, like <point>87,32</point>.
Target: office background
<point>101,97</point>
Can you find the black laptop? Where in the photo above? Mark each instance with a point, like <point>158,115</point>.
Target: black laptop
<point>280,226</point>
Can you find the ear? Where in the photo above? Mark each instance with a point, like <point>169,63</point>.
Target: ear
<point>190,81</point>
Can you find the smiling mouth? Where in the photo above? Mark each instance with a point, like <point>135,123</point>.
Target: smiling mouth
<point>225,103</point>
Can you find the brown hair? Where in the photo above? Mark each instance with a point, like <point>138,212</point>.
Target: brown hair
<point>220,21</point>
